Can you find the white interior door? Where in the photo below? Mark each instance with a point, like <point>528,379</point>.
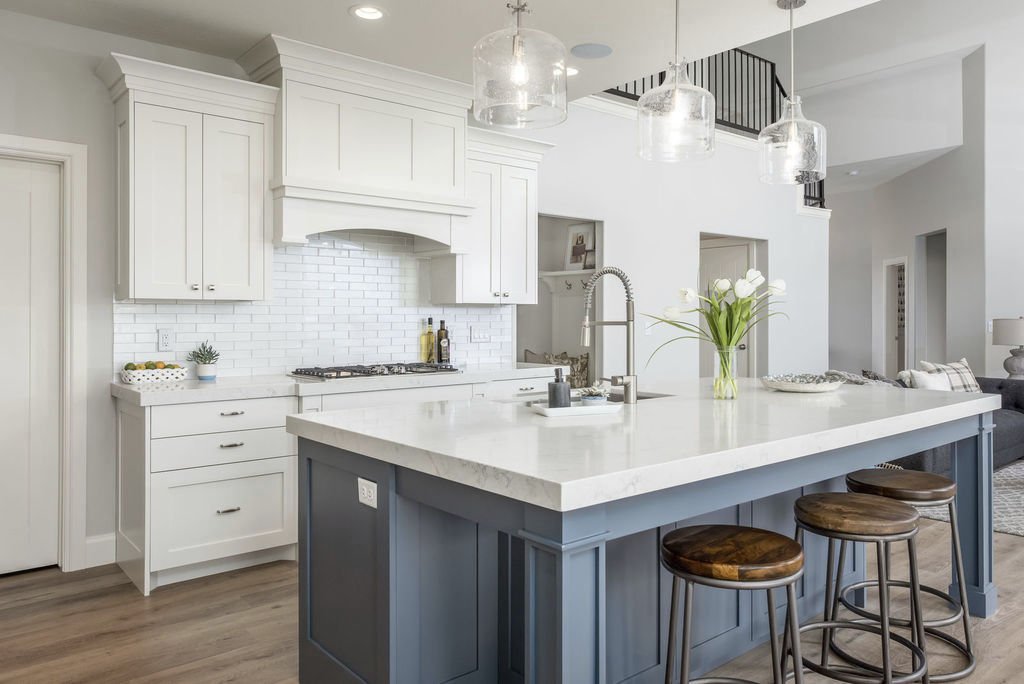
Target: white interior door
<point>30,210</point>
<point>724,259</point>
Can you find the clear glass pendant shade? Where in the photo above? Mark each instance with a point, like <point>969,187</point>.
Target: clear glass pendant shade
<point>519,79</point>
<point>676,120</point>
<point>792,148</point>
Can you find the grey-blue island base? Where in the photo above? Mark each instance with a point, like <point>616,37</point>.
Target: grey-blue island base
<point>446,583</point>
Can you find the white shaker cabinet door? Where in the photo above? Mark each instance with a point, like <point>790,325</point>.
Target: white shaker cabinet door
<point>233,205</point>
<point>168,207</point>
<point>518,245</point>
<point>481,266</point>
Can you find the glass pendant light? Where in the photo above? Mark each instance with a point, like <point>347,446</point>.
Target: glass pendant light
<point>519,76</point>
<point>792,148</point>
<point>676,120</point>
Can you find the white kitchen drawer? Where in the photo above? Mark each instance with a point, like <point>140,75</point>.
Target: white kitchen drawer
<point>221,416</point>
<point>201,514</point>
<point>527,388</point>
<point>174,453</point>
<point>333,402</point>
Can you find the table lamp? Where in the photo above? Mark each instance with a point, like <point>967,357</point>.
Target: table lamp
<point>1010,332</point>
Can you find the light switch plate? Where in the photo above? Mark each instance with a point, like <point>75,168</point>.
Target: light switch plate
<point>165,340</point>
<point>478,335</point>
<point>367,492</point>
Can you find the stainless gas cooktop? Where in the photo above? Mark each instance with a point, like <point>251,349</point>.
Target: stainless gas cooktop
<point>342,372</point>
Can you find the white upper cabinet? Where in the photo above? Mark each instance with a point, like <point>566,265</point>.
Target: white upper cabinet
<point>194,151</point>
<point>496,245</point>
<point>362,144</point>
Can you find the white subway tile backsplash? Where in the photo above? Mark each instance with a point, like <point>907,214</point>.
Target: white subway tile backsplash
<point>338,300</point>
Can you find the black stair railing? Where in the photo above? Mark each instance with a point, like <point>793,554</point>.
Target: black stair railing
<point>748,96</point>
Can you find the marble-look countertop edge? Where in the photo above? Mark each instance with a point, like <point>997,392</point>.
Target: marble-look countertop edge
<point>607,487</point>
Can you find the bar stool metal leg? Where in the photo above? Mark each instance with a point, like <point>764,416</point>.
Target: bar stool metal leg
<point>915,598</point>
<point>773,633</point>
<point>830,582</point>
<point>793,628</point>
<point>958,558</point>
<point>684,672</point>
<point>673,618</point>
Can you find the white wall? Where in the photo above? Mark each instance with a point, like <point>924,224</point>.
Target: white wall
<point>892,114</point>
<point>945,194</point>
<point>653,215</point>
<point>50,91</point>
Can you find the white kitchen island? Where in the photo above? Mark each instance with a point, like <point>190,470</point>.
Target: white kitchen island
<point>505,546</point>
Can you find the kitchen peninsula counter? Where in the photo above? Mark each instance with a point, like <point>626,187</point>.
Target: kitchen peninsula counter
<point>515,546</point>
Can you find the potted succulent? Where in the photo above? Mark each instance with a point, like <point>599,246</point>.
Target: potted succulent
<point>205,357</point>
<point>593,396</point>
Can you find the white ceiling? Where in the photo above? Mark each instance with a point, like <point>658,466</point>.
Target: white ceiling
<point>437,36</point>
<point>875,172</point>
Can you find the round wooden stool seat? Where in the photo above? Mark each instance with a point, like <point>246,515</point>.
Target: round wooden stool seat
<point>903,485</point>
<point>729,552</point>
<point>859,514</point>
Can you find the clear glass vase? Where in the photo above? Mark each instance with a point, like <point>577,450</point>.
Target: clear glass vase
<point>725,375</point>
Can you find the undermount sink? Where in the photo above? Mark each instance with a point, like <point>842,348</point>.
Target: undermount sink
<point>617,398</point>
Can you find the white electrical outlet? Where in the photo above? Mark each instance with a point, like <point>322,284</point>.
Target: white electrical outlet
<point>476,335</point>
<point>367,492</point>
<point>165,340</point>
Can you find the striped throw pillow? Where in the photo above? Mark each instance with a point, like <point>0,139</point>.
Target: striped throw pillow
<point>961,377</point>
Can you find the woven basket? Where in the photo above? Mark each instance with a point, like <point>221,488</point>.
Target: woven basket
<point>142,377</point>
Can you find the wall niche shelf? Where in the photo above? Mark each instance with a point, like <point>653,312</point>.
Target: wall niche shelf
<point>566,282</point>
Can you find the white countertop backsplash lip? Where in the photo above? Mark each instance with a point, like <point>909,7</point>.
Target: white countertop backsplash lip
<point>261,386</point>
<point>568,463</point>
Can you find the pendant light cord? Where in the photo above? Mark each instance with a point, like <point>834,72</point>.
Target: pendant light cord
<point>675,40</point>
<point>792,57</point>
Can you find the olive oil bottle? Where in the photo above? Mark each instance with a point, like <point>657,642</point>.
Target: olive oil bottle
<point>427,343</point>
<point>444,347</point>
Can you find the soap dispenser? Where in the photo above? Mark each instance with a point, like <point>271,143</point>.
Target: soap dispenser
<point>558,391</point>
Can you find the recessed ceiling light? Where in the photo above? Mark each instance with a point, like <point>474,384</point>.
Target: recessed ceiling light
<point>591,50</point>
<point>368,12</point>
<point>571,71</point>
<point>853,172</point>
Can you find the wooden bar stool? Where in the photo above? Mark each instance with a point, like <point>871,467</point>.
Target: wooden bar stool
<point>731,557</point>
<point>848,517</point>
<point>922,490</point>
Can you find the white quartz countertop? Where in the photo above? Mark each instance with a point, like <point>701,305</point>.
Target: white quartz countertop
<point>569,463</point>
<point>260,386</point>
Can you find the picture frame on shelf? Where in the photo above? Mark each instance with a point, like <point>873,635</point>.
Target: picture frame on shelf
<point>580,249</point>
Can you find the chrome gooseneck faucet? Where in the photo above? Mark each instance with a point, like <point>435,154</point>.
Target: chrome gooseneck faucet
<point>627,381</point>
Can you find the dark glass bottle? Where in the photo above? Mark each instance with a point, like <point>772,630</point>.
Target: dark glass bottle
<point>444,347</point>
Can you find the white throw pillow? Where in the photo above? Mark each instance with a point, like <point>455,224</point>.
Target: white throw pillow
<point>930,381</point>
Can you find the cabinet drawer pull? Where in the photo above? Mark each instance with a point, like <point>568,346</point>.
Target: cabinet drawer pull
<point>229,510</point>
<point>232,445</point>
<point>526,389</point>
<point>497,294</point>
<point>195,286</point>
<point>232,413</point>
<point>504,294</point>
<point>211,288</point>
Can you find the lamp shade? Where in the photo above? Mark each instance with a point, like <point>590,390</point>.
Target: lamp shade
<point>1008,332</point>
<point>792,148</point>
<point>676,120</point>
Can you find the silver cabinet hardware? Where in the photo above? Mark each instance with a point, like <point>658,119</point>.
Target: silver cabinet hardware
<point>497,294</point>
<point>235,509</point>
<point>232,445</point>
<point>195,286</point>
<point>232,413</point>
<point>504,294</point>
<point>526,389</point>
<point>742,347</point>
<point>211,288</point>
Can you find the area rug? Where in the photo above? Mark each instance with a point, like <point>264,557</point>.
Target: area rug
<point>1008,503</point>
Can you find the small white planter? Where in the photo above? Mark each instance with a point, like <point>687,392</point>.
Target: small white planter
<point>206,371</point>
<point>593,400</point>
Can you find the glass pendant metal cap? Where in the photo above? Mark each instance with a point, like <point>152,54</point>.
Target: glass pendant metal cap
<point>676,120</point>
<point>793,148</point>
<point>519,78</point>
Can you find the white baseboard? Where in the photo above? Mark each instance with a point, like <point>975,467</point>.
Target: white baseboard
<point>99,550</point>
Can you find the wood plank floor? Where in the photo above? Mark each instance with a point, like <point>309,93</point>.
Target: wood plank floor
<point>93,626</point>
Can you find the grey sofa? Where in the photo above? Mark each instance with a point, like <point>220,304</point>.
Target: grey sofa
<point>1008,436</point>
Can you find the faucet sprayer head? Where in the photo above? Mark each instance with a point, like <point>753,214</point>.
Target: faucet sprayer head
<point>585,332</point>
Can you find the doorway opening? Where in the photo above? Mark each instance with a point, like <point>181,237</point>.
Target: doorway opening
<point>930,297</point>
<point>731,257</point>
<point>894,323</point>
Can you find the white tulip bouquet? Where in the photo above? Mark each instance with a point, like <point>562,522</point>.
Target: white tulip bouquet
<point>728,312</point>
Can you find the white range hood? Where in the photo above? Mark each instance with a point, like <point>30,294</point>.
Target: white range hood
<point>362,145</point>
